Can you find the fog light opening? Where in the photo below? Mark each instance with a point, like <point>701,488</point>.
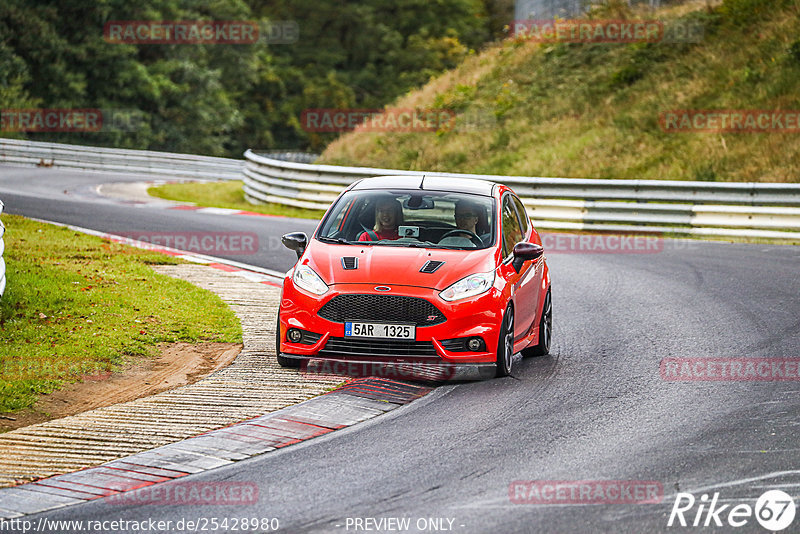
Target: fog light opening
<point>475,344</point>
<point>294,335</point>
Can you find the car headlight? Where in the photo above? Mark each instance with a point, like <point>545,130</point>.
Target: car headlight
<point>305,278</point>
<point>472,285</point>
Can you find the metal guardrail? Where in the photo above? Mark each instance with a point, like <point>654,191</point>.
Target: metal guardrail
<point>765,210</point>
<point>2,250</point>
<point>87,158</point>
<point>759,210</point>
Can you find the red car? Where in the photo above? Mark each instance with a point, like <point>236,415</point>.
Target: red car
<point>433,272</point>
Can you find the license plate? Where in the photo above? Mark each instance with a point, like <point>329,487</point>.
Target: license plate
<point>382,330</point>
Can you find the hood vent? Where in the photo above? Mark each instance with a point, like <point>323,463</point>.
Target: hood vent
<point>431,266</point>
<point>349,263</point>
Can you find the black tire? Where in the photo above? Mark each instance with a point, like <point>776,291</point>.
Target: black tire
<point>545,331</point>
<point>282,360</point>
<point>505,344</point>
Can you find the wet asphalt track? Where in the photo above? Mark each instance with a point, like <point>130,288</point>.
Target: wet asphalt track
<point>595,409</point>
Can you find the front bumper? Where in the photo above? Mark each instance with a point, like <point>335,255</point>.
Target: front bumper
<point>475,317</point>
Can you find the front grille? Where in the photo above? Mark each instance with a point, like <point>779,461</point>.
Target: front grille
<point>382,308</point>
<point>349,347</point>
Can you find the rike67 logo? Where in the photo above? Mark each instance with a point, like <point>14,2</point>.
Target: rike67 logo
<point>774,510</point>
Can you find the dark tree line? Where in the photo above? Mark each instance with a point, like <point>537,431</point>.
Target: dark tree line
<point>221,99</point>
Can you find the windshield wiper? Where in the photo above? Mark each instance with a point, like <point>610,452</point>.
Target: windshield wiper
<point>407,244</point>
<point>338,240</point>
<point>457,247</point>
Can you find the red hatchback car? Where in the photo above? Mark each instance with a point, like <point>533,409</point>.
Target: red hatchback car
<point>433,272</point>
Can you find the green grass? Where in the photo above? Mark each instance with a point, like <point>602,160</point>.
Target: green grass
<point>78,305</point>
<point>228,194</point>
<point>592,110</point>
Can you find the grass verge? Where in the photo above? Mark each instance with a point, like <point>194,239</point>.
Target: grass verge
<point>77,305</point>
<point>228,194</point>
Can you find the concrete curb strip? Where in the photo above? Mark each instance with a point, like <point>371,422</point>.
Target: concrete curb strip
<point>341,408</point>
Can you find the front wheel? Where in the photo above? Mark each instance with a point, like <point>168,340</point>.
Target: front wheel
<point>505,344</point>
<point>545,330</point>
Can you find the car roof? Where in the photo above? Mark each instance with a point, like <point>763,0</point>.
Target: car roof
<point>427,183</point>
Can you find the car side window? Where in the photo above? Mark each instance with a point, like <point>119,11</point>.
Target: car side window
<point>512,234</point>
<point>340,219</point>
<point>523,216</point>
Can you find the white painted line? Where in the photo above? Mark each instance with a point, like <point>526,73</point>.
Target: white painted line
<point>193,259</point>
<point>218,211</point>
<point>255,277</point>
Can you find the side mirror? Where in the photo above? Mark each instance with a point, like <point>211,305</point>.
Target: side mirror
<point>296,241</point>
<point>526,252</point>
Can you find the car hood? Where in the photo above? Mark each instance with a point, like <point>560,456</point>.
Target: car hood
<point>390,265</point>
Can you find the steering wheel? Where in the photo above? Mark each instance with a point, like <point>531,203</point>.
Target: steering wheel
<point>472,235</point>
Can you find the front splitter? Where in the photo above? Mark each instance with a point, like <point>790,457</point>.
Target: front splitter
<point>408,369</point>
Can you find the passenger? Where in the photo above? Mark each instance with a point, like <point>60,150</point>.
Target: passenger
<point>388,216</point>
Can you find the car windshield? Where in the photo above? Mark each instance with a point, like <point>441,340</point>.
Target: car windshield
<point>415,218</point>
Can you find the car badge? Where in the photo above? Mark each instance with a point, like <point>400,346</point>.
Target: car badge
<point>432,318</point>
<point>383,288</point>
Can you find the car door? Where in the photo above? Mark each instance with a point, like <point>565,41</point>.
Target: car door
<point>524,284</point>
<point>529,286</point>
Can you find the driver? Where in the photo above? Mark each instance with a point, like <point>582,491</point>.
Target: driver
<point>388,216</point>
<point>470,216</point>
